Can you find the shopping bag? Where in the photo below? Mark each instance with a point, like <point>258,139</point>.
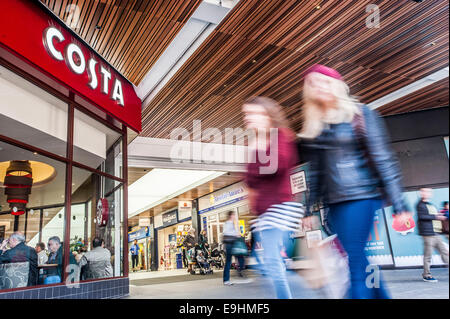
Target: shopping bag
<point>239,248</point>
<point>328,268</point>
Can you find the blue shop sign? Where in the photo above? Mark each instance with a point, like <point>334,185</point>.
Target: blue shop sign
<point>222,204</point>
<point>170,218</point>
<point>139,234</point>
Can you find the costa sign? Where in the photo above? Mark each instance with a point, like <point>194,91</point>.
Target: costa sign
<point>32,33</point>
<point>76,62</point>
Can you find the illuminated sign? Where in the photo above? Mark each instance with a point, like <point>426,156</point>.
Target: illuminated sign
<point>76,62</point>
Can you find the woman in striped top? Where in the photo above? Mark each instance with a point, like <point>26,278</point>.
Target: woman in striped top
<point>268,180</point>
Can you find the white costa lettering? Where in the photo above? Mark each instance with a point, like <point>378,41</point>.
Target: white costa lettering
<point>49,34</point>
<point>117,92</point>
<point>70,51</point>
<point>93,83</point>
<point>106,75</point>
<point>76,62</point>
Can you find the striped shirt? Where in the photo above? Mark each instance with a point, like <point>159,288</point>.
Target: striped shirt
<point>285,216</point>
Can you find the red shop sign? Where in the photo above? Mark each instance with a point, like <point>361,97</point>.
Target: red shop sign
<point>34,34</point>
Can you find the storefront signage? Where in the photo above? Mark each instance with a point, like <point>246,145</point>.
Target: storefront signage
<point>139,234</point>
<point>227,196</point>
<point>184,209</point>
<point>76,62</point>
<point>143,222</point>
<point>169,218</point>
<point>221,197</point>
<point>242,227</point>
<point>36,36</point>
<point>102,212</point>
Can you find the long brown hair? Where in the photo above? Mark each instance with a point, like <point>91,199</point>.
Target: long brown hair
<point>273,109</point>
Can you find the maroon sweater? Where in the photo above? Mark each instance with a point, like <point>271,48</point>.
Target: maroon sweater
<point>275,188</point>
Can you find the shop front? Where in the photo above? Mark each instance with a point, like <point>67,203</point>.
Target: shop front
<point>171,228</point>
<point>144,239</point>
<point>64,117</point>
<point>213,210</point>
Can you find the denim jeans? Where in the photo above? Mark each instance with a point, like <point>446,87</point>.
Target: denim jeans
<point>272,240</point>
<point>352,222</point>
<point>226,270</point>
<point>259,263</point>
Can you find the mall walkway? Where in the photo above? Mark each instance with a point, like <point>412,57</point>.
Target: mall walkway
<point>403,284</point>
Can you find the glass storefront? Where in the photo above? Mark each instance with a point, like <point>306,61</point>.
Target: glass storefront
<point>213,209</point>
<point>43,167</point>
<point>170,249</point>
<point>142,237</point>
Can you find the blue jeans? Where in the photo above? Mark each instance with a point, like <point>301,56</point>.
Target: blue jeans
<point>272,240</point>
<point>352,222</point>
<point>226,270</point>
<point>257,239</point>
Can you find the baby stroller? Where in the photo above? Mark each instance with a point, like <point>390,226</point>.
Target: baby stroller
<point>203,264</point>
<point>198,262</point>
<point>217,258</point>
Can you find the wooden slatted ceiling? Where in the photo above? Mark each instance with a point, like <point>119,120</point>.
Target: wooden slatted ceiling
<point>435,95</point>
<point>262,48</point>
<point>133,33</point>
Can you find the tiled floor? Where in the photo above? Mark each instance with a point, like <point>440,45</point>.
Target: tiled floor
<point>402,284</point>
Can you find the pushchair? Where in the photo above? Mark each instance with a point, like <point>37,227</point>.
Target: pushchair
<point>217,258</point>
<point>198,262</point>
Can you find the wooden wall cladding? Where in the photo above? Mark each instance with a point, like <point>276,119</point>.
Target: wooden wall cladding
<point>434,95</point>
<point>262,48</point>
<point>130,34</point>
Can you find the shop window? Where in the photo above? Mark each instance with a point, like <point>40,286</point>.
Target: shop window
<point>96,145</point>
<point>33,217</point>
<point>31,115</point>
<point>31,185</point>
<point>96,212</point>
<point>223,217</point>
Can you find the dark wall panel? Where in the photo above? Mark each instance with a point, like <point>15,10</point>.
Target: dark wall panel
<point>419,124</point>
<point>423,162</point>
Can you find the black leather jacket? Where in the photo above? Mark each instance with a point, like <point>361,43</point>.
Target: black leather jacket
<point>353,164</point>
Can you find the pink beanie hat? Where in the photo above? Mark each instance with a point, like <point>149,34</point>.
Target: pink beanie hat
<point>319,68</point>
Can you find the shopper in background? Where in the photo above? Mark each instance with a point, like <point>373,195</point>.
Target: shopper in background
<point>97,262</point>
<point>230,235</point>
<point>189,243</point>
<point>270,189</point>
<point>429,225</point>
<point>347,147</point>
<point>203,243</point>
<point>134,255</point>
<point>20,252</point>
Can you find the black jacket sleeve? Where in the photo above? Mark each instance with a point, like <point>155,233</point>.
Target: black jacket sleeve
<point>5,257</point>
<point>383,159</point>
<point>422,212</point>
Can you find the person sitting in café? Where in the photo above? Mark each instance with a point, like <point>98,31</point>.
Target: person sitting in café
<point>55,274</point>
<point>42,259</point>
<point>97,262</point>
<point>42,254</point>
<point>20,252</point>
